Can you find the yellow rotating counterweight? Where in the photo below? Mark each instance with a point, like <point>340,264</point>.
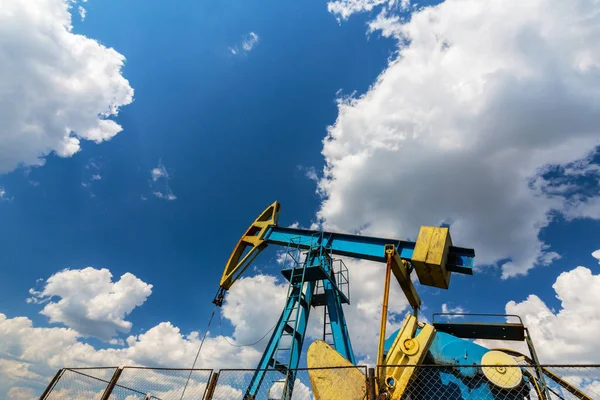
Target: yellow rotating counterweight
<point>501,369</point>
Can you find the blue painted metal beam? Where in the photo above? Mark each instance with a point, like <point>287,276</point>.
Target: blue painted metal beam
<point>364,247</point>
<point>339,329</point>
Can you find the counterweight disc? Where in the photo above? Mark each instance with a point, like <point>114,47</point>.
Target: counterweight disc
<point>501,369</point>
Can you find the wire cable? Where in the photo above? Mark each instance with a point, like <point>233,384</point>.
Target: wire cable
<point>242,345</point>
<point>557,395</point>
<point>198,353</point>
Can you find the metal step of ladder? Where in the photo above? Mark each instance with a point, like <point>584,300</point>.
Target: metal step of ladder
<point>327,332</point>
<point>290,335</point>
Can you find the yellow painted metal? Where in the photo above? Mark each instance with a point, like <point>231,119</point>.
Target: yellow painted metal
<point>501,369</point>
<point>407,349</point>
<point>400,270</point>
<point>399,267</point>
<point>430,256</point>
<point>346,383</point>
<point>250,245</point>
<point>389,254</point>
<point>394,374</point>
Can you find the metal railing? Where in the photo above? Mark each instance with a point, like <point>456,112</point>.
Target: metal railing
<point>475,382</point>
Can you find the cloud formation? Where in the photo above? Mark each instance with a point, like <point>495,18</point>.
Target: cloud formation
<point>82,11</point>
<point>57,87</point>
<point>462,125</point>
<point>450,309</point>
<point>343,9</point>
<point>29,355</point>
<point>160,183</point>
<point>249,41</point>
<point>89,302</point>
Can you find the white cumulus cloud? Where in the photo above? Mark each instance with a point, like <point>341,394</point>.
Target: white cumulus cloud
<point>242,311</point>
<point>343,9</point>
<point>88,301</point>
<point>481,98</point>
<point>57,87</point>
<point>40,352</point>
<point>450,309</point>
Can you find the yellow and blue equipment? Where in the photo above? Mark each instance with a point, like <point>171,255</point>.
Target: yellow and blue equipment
<point>314,282</point>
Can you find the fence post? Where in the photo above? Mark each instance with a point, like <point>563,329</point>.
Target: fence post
<point>112,384</point>
<point>52,384</point>
<point>211,386</point>
<point>371,384</point>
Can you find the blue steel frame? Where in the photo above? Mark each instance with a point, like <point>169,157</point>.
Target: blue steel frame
<point>294,318</point>
<point>339,329</point>
<point>268,358</point>
<point>364,247</point>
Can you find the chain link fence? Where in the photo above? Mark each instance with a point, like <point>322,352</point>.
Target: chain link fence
<point>80,383</point>
<point>165,383</point>
<point>476,382</point>
<point>295,385</point>
<point>482,382</point>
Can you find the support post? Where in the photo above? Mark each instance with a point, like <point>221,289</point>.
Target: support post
<point>211,386</point>
<point>538,368</point>
<point>112,384</point>
<point>371,395</point>
<point>268,359</point>
<point>52,384</point>
<point>339,329</point>
<point>384,306</point>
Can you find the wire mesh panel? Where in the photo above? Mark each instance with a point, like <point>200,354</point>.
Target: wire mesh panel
<point>83,383</point>
<point>489,382</point>
<point>125,393</point>
<point>475,382</point>
<point>585,381</point>
<point>236,384</point>
<point>164,383</point>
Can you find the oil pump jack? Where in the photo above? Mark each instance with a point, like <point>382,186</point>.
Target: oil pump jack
<point>316,279</point>
<point>463,369</point>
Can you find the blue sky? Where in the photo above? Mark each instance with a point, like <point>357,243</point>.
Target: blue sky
<point>231,131</point>
<point>510,163</point>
